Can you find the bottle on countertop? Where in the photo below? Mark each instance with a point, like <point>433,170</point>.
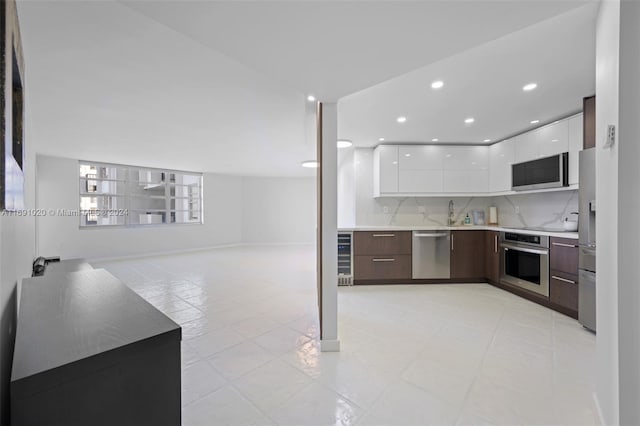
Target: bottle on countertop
<point>467,220</point>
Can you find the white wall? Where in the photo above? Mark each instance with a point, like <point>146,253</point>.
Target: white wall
<point>17,250</point>
<point>278,210</point>
<point>607,54</point>
<point>60,236</point>
<point>629,206</point>
<point>346,188</point>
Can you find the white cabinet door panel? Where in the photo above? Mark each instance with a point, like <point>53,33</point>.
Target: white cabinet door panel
<point>553,139</point>
<point>501,156</point>
<point>525,147</point>
<point>466,181</point>
<point>385,169</point>
<point>465,158</point>
<point>425,157</point>
<point>575,146</point>
<point>420,181</point>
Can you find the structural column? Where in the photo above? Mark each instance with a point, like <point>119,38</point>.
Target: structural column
<point>328,225</point>
<point>628,207</point>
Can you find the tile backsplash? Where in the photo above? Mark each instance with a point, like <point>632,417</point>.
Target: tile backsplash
<point>540,210</point>
<point>418,210</point>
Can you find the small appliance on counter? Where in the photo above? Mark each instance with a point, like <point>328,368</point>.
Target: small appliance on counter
<point>478,217</point>
<point>570,225</point>
<point>493,215</point>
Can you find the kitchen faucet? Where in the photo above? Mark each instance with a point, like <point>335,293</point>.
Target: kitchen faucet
<point>451,222</point>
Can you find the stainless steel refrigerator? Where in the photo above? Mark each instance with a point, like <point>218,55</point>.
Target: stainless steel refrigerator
<point>587,233</point>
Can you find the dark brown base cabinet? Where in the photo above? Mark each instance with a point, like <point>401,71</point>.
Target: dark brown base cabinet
<point>563,276</point>
<point>382,255</point>
<point>382,267</point>
<point>467,255</point>
<point>492,256</point>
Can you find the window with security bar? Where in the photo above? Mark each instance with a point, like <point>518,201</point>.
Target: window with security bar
<point>120,195</point>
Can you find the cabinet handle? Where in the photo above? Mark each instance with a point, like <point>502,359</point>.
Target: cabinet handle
<point>384,235</point>
<point>563,279</point>
<point>564,245</point>
<point>495,243</point>
<point>451,242</point>
<point>384,260</point>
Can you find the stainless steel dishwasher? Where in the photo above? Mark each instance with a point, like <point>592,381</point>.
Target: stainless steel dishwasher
<point>430,254</point>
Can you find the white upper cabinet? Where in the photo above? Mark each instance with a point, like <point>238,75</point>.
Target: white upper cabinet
<point>385,170</point>
<point>543,142</point>
<point>465,158</point>
<point>501,157</point>
<point>466,181</point>
<point>525,148</point>
<point>445,169</point>
<point>420,181</point>
<point>553,139</point>
<point>420,157</point>
<point>575,146</point>
<point>420,169</point>
<point>466,169</point>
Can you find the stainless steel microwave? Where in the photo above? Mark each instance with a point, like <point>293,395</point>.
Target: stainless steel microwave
<point>541,173</point>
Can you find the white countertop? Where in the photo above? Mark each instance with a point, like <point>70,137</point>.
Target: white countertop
<point>550,233</point>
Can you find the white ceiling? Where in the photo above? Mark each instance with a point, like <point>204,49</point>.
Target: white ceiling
<point>335,48</point>
<point>484,83</point>
<point>107,84</point>
<point>220,86</point>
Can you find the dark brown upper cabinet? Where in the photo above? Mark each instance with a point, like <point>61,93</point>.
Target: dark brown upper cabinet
<point>589,122</point>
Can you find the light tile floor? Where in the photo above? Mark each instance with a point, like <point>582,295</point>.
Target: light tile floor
<point>411,354</point>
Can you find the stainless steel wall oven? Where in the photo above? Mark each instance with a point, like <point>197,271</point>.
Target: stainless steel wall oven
<point>524,261</point>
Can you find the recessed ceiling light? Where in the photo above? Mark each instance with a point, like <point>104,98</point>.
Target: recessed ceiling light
<point>381,139</point>
<point>344,143</point>
<point>434,140</point>
<point>449,155</point>
<point>535,121</point>
<point>401,119</point>
<point>311,98</point>
<point>529,87</point>
<point>469,120</point>
<point>407,155</point>
<point>394,162</point>
<point>554,140</point>
<point>487,140</point>
<point>437,84</point>
<point>310,164</point>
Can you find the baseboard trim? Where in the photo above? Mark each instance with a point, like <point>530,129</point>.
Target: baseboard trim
<point>162,253</point>
<point>276,244</point>
<point>327,345</point>
<point>190,250</point>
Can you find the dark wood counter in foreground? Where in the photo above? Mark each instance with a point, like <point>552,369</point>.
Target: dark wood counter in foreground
<point>90,351</point>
